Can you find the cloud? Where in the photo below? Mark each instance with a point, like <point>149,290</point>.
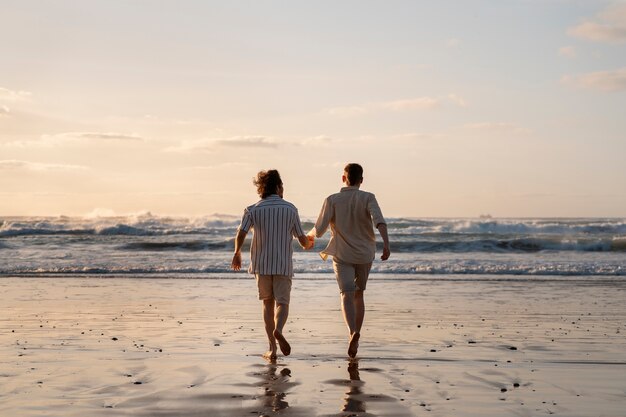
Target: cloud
<point>17,165</point>
<point>4,111</point>
<point>209,145</point>
<point>402,105</point>
<point>247,142</point>
<point>419,103</point>
<point>608,26</point>
<point>321,140</point>
<point>457,100</point>
<point>568,52</point>
<point>225,165</point>
<point>606,81</point>
<point>90,137</point>
<point>11,95</point>
<point>348,111</point>
<point>417,137</point>
<point>75,138</point>
<point>496,127</point>
<point>105,136</point>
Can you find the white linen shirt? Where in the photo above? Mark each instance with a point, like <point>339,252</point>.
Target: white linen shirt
<point>274,223</point>
<point>351,215</point>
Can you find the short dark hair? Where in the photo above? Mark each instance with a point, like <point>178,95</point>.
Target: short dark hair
<point>354,172</point>
<point>267,182</point>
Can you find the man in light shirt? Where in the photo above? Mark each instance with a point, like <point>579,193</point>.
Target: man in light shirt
<point>352,215</point>
<point>274,222</point>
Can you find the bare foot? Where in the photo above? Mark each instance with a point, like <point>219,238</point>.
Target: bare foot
<point>354,344</point>
<point>270,355</point>
<point>282,342</point>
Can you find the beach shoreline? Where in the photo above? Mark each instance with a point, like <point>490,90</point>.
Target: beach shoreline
<point>192,347</point>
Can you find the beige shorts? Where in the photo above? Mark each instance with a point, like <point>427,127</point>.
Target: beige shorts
<point>351,277</point>
<point>277,287</point>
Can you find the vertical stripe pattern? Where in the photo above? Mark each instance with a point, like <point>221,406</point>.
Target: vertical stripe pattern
<point>274,223</point>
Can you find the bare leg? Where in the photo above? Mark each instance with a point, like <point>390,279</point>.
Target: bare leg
<point>268,318</point>
<point>282,312</point>
<point>348,309</point>
<point>359,310</point>
<point>352,306</point>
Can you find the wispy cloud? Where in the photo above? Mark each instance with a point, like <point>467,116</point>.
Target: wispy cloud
<point>75,138</point>
<point>496,127</point>
<point>608,26</point>
<point>247,142</point>
<point>209,145</point>
<point>217,167</point>
<point>400,105</point>
<point>348,111</point>
<point>417,137</point>
<point>12,95</point>
<point>17,165</point>
<point>607,81</point>
<point>321,140</point>
<point>4,111</point>
<point>420,103</point>
<point>103,136</point>
<point>459,101</point>
<point>568,52</point>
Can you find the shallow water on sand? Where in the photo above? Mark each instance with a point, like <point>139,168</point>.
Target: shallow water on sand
<point>137,347</point>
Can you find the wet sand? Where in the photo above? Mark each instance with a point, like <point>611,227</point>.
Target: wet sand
<point>192,347</point>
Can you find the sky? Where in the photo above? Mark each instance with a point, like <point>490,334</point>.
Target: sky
<point>513,108</point>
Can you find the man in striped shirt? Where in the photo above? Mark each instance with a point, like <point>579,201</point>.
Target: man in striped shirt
<point>274,222</point>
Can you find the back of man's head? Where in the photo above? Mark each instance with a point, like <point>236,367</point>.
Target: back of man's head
<point>354,173</point>
<point>267,182</point>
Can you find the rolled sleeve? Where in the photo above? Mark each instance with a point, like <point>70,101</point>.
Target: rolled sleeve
<point>323,220</point>
<point>246,222</point>
<point>375,212</point>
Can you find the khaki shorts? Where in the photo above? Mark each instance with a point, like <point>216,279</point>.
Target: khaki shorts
<point>351,277</point>
<point>277,287</point>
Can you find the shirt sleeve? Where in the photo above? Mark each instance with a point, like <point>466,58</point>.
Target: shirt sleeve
<point>297,229</point>
<point>375,212</point>
<point>246,221</point>
<point>323,220</point>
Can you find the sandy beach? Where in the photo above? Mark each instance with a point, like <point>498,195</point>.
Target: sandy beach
<point>192,347</point>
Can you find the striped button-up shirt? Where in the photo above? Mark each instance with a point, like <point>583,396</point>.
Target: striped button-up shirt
<point>274,223</point>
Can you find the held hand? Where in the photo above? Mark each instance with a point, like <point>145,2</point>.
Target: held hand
<point>311,243</point>
<point>386,253</point>
<point>236,263</point>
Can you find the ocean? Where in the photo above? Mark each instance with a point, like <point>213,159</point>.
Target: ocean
<point>201,247</point>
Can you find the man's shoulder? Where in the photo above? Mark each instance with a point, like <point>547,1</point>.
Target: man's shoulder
<point>366,193</point>
<point>289,204</point>
<point>271,203</point>
<point>338,194</point>
<point>342,194</point>
<point>251,207</point>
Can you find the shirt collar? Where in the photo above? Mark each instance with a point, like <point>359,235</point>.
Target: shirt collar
<point>273,196</point>
<point>350,188</point>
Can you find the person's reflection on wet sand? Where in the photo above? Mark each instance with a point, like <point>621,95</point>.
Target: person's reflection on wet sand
<point>276,385</point>
<point>354,396</point>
